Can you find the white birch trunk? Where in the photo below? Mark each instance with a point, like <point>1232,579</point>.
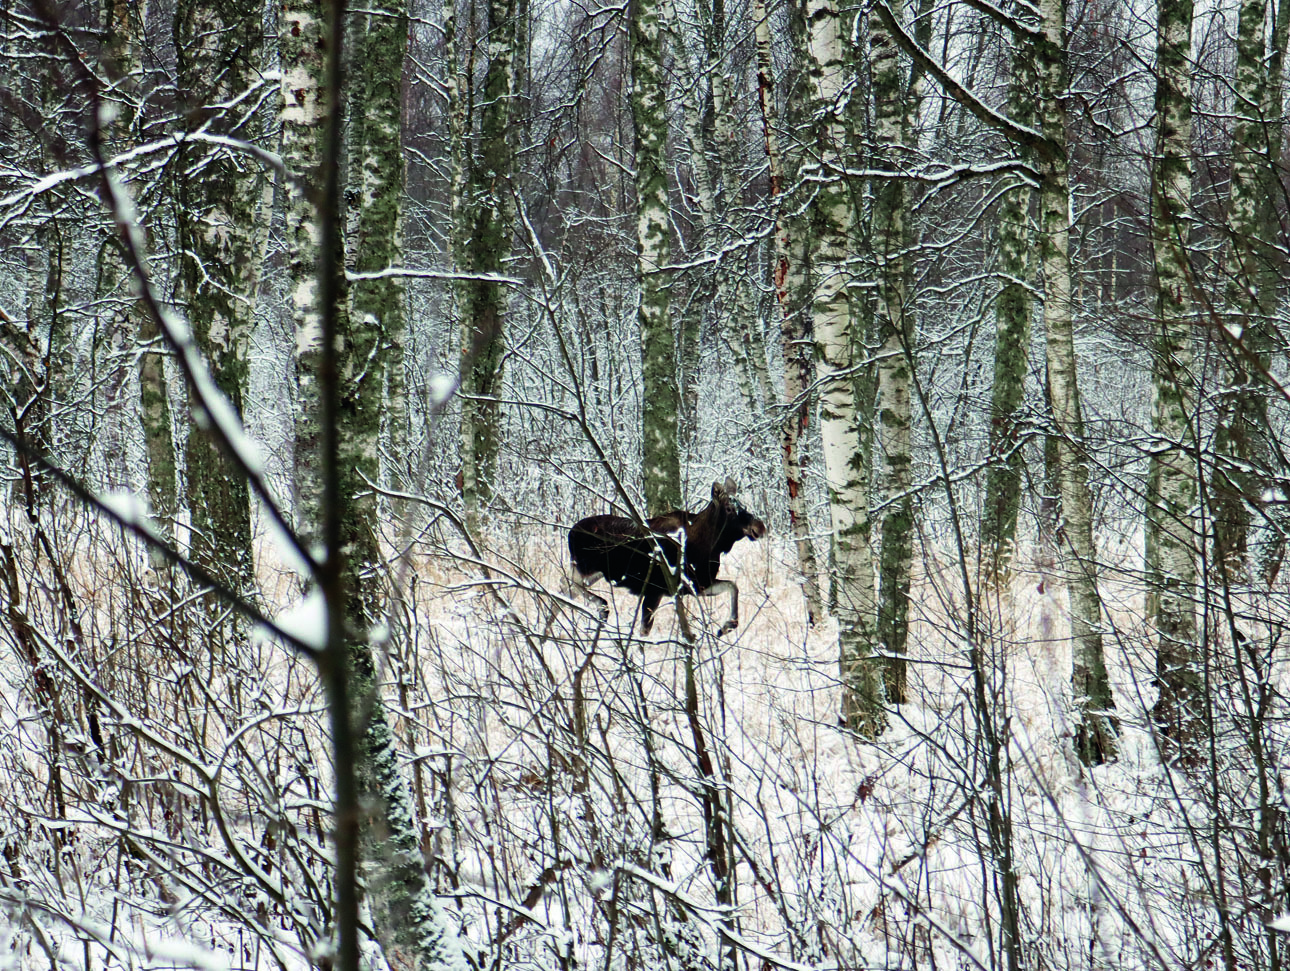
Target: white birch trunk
<point>1013,309</point>
<point>405,915</point>
<point>862,705</point>
<point>1172,475</point>
<point>300,50</point>
<point>1089,685</point>
<point>661,463</point>
<point>1248,462</point>
<point>218,51</point>
<point>791,295</point>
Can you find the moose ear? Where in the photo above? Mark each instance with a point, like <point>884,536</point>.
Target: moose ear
<point>718,492</point>
<point>732,487</point>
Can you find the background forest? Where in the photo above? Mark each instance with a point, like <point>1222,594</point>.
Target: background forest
<point>320,325</point>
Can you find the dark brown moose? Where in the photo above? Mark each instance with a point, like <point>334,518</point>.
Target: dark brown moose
<point>650,560</point>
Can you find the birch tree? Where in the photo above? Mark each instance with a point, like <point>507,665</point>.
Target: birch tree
<point>831,226</point>
<point>218,47</point>
<point>1013,309</point>
<point>661,460</point>
<point>485,240</point>
<point>33,348</point>
<point>1246,464</point>
<point>301,50</point>
<point>894,332</point>
<point>379,180</point>
<point>120,37</point>
<point>123,36</point>
<point>158,436</point>
<point>406,917</point>
<point>1171,475</point>
<point>1096,731</point>
<point>23,392</point>
<point>792,287</point>
<point>705,169</point>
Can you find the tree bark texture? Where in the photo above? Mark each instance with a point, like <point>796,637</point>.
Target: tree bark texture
<point>127,327</point>
<point>301,51</point>
<point>379,303</point>
<point>831,226</point>
<point>32,350</point>
<point>158,433</point>
<point>895,332</point>
<point>790,279</point>
<point>1013,309</point>
<point>661,461</point>
<point>488,215</point>
<point>1096,731</point>
<point>1171,474</point>
<point>119,326</point>
<point>705,169</point>
<point>1245,464</point>
<point>219,44</point>
<point>405,914</point>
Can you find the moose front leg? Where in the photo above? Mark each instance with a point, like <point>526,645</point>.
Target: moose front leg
<point>721,586</point>
<point>649,604</point>
<point>581,585</point>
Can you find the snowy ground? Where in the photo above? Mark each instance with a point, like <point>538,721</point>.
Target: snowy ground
<point>563,787</point>
<point>884,850</point>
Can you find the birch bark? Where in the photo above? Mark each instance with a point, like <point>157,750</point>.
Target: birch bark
<point>118,323</point>
<point>1096,731</point>
<point>27,352</point>
<point>1013,310</point>
<point>486,229</point>
<point>378,304</point>
<point>661,462</point>
<point>1246,465</point>
<point>891,242</point>
<point>123,26</point>
<point>218,49</point>
<point>831,218</point>
<point>706,172</point>
<point>300,49</point>
<point>406,917</point>
<point>34,352</point>
<point>749,336</point>
<point>1171,475</point>
<point>158,434</point>
<point>792,294</point>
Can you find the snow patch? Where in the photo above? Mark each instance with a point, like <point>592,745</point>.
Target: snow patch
<point>288,551</point>
<point>130,509</point>
<point>306,620</point>
<point>441,387</point>
<point>173,953</point>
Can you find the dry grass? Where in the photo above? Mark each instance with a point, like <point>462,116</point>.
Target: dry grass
<point>545,749</point>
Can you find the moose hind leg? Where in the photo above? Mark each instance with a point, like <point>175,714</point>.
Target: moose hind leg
<point>581,584</point>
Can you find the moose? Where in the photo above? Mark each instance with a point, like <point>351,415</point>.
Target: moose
<point>652,562</point>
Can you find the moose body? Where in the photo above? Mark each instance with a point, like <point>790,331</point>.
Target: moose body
<point>672,554</point>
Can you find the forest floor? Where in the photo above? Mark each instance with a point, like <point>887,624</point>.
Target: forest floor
<point>888,849</point>
<point>565,772</point>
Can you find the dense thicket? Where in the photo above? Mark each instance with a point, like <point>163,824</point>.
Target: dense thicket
<point>319,324</point>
